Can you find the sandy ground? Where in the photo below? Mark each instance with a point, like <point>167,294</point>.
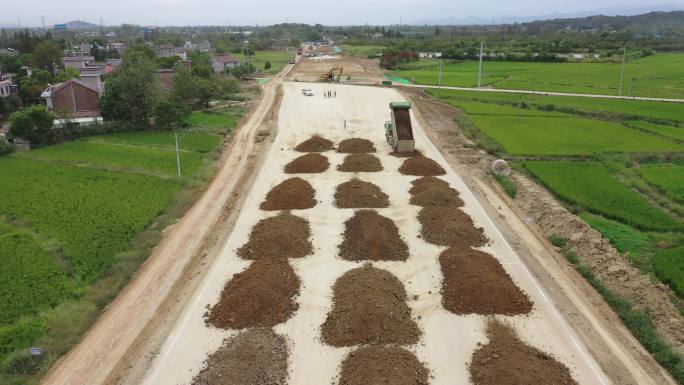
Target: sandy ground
<point>105,345</point>
<point>360,70</point>
<point>448,340</point>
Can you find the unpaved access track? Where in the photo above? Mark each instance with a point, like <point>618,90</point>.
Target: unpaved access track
<point>446,341</point>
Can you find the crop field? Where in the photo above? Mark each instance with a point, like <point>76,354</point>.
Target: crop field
<point>673,132</point>
<point>194,141</point>
<point>650,110</point>
<point>660,75</point>
<point>669,266</point>
<point>668,178</point>
<point>278,59</point>
<point>363,50</point>
<point>212,120</point>
<point>148,160</point>
<point>591,186</point>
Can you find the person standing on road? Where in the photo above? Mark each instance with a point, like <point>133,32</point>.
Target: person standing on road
<point>335,93</point>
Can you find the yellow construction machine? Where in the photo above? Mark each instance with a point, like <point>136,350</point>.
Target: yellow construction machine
<point>333,75</point>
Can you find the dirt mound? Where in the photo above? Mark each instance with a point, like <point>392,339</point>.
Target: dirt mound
<point>262,295</point>
<point>254,356</point>
<point>292,194</point>
<point>282,236</point>
<point>369,307</point>
<point>421,166</point>
<point>382,365</point>
<point>468,273</point>
<point>359,194</point>
<point>370,236</point>
<point>314,144</point>
<point>507,360</point>
<point>307,164</point>
<point>360,163</point>
<point>449,226</point>
<point>431,191</point>
<point>355,145</point>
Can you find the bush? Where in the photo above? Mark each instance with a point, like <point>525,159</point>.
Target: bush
<point>558,241</point>
<point>5,146</point>
<point>509,187</point>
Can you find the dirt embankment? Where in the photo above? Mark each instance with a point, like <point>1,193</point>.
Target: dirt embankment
<point>262,295</point>
<point>449,226</point>
<point>506,360</point>
<point>475,282</point>
<point>282,236</point>
<point>369,307</point>
<point>431,191</point>
<point>360,163</point>
<point>359,194</point>
<point>255,357</point>
<point>420,165</point>
<point>370,236</point>
<point>292,194</point>
<point>314,144</point>
<point>355,145</point>
<point>378,365</point>
<point>307,164</point>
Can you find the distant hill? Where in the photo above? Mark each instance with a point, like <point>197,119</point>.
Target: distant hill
<point>79,25</point>
<point>610,11</point>
<point>9,26</point>
<point>649,23</point>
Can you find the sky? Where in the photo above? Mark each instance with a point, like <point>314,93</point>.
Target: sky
<point>266,12</point>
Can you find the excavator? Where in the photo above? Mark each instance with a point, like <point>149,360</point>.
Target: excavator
<point>333,75</point>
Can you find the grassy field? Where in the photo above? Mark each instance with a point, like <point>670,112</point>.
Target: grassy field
<point>213,120</point>
<point>278,59</point>
<point>75,223</point>
<point>669,131</point>
<point>593,187</point>
<point>363,50</point>
<point>667,178</point>
<point>660,75</point>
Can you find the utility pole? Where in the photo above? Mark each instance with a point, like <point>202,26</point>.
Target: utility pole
<point>622,70</point>
<point>439,74</point>
<point>479,71</point>
<point>42,21</point>
<point>177,155</point>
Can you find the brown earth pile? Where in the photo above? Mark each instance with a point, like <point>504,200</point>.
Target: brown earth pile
<point>355,145</point>
<point>314,144</point>
<point>370,236</point>
<point>431,191</point>
<point>262,295</point>
<point>252,357</point>
<point>359,194</point>
<point>449,226</point>
<point>292,194</point>
<point>369,307</point>
<point>421,166</point>
<point>282,236</point>
<point>475,282</point>
<point>507,360</point>
<point>307,164</point>
<point>360,163</point>
<point>382,365</point>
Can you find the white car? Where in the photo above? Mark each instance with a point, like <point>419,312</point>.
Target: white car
<point>307,92</point>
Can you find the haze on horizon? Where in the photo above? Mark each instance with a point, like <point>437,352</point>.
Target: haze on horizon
<point>266,12</point>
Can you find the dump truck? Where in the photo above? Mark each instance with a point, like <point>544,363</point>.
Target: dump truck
<point>398,131</point>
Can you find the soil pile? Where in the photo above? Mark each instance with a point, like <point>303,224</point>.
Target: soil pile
<point>262,295</point>
<point>355,145</point>
<point>421,166</point>
<point>282,236</point>
<point>475,282</point>
<point>359,194</point>
<point>292,194</point>
<point>314,144</point>
<point>370,236</point>
<point>369,307</point>
<point>360,163</point>
<point>307,164</point>
<point>507,360</point>
<point>382,365</point>
<point>254,357</point>
<point>449,226</point>
<point>431,191</point>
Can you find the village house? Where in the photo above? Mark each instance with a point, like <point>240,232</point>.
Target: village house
<point>429,55</point>
<point>92,75</point>
<point>74,99</point>
<point>5,85</point>
<point>77,62</point>
<point>223,62</point>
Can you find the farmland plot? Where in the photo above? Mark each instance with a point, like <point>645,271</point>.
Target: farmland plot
<point>194,141</point>
<point>667,178</point>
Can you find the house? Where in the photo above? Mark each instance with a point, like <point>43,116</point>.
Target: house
<point>92,75</point>
<point>223,62</point>
<point>5,85</point>
<point>77,62</point>
<point>190,46</point>
<point>116,63</point>
<point>429,55</point>
<point>8,52</point>
<point>204,46</point>
<point>118,47</point>
<point>74,97</point>
<point>166,78</point>
<point>169,50</point>
<point>85,47</point>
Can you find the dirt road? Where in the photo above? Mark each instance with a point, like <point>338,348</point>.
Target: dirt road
<point>106,343</point>
<point>447,341</point>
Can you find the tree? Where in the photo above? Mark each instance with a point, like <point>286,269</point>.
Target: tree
<point>206,91</point>
<point>132,92</point>
<point>171,114</point>
<point>33,124</point>
<point>184,85</point>
<point>267,65</point>
<point>201,64</point>
<point>47,55</point>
